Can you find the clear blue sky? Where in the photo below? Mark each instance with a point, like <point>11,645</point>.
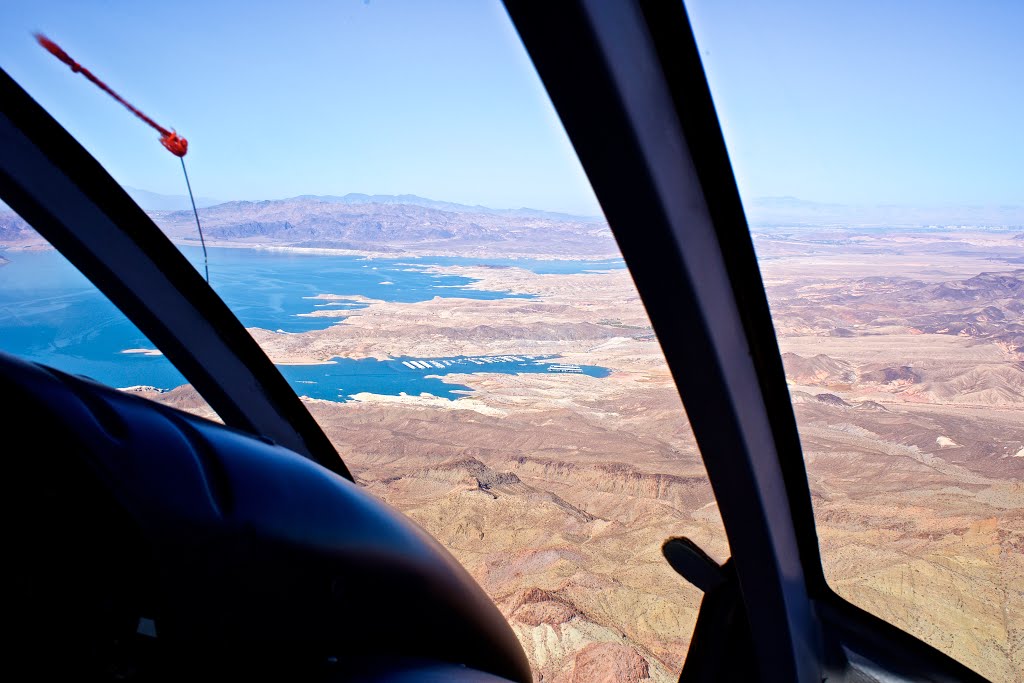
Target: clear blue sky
<point>903,102</point>
<point>874,101</point>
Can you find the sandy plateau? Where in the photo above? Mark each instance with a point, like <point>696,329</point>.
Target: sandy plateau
<point>556,491</point>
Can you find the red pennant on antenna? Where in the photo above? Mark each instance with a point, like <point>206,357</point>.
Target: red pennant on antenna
<point>175,144</point>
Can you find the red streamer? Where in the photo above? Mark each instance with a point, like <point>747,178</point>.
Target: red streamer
<point>175,144</point>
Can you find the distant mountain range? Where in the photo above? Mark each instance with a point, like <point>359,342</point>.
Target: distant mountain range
<point>385,224</point>
<point>413,200</point>
<point>154,201</point>
<point>792,212</point>
<point>411,224</point>
<point>395,224</point>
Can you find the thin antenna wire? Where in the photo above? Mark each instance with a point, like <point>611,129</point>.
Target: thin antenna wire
<point>206,261</point>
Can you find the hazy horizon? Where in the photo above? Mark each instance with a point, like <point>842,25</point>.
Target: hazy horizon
<point>765,211</point>
<point>757,208</point>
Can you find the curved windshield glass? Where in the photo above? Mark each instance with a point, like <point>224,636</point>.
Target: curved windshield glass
<point>877,148</point>
<point>361,171</point>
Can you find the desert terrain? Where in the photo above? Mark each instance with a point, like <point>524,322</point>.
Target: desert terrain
<point>556,491</point>
<point>905,358</point>
<point>904,352</point>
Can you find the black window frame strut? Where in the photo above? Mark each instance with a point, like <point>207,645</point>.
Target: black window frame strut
<point>626,79</point>
<point>48,178</point>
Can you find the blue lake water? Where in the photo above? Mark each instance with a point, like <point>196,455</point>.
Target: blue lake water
<point>51,314</point>
<point>344,377</point>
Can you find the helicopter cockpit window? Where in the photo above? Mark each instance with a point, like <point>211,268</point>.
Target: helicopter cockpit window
<point>487,369</point>
<point>877,148</point>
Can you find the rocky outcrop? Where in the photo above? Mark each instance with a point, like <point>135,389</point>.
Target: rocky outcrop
<point>819,369</point>
<point>687,493</point>
<point>535,606</point>
<point>609,663</point>
<point>904,374</point>
<point>831,400</point>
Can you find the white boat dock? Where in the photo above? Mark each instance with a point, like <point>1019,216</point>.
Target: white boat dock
<point>566,368</point>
